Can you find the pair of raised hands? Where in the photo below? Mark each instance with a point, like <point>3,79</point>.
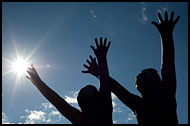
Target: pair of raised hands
<point>165,28</point>
<point>101,53</point>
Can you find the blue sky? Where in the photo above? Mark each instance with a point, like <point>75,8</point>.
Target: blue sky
<point>57,37</point>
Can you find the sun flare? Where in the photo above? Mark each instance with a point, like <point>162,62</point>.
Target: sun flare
<point>19,66</point>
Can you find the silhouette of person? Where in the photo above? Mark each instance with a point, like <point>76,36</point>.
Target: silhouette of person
<point>96,106</point>
<point>103,76</point>
<point>158,102</point>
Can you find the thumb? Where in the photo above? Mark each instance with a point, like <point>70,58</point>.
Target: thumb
<point>156,25</point>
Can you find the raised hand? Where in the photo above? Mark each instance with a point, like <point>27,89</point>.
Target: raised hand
<point>34,77</point>
<point>92,68</point>
<point>101,50</point>
<point>166,26</point>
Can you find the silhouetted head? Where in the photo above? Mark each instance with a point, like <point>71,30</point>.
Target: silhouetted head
<point>88,98</point>
<point>148,81</point>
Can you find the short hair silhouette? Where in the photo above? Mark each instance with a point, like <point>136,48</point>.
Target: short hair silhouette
<point>88,97</point>
<point>148,80</point>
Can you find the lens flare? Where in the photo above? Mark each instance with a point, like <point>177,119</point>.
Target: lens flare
<point>19,66</point>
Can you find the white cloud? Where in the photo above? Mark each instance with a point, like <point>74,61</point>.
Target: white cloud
<point>48,114</point>
<point>73,98</point>
<point>53,116</point>
<point>5,119</point>
<point>93,14</point>
<point>54,113</point>
<point>113,104</point>
<point>131,116</point>
<point>114,97</point>
<point>70,99</point>
<point>117,110</point>
<point>47,106</point>
<point>115,121</point>
<point>34,116</point>
<point>113,100</point>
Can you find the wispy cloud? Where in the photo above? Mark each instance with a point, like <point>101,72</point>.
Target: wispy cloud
<point>131,117</point>
<point>115,121</point>
<point>162,10</point>
<point>144,18</point>
<point>93,14</point>
<point>5,119</point>
<point>117,110</point>
<point>47,106</point>
<point>54,116</point>
<point>110,33</point>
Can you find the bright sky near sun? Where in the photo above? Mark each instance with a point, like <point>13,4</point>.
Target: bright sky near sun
<point>56,38</point>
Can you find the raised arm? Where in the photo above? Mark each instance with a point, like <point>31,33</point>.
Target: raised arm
<point>101,53</point>
<point>165,29</point>
<point>71,113</point>
<point>105,91</point>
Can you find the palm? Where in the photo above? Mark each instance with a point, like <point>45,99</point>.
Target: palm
<point>166,26</point>
<point>34,77</point>
<point>101,50</point>
<point>92,68</point>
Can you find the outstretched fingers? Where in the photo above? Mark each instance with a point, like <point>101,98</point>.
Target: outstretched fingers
<point>88,62</point>
<point>160,18</point>
<point>171,17</point>
<point>96,41</point>
<point>155,24</point>
<point>85,71</point>
<point>91,58</point>
<point>29,70</point>
<point>105,42</point>
<point>176,20</point>
<point>87,67</point>
<point>92,47</point>
<point>109,43</point>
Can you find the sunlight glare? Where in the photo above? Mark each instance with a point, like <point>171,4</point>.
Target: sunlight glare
<point>20,66</point>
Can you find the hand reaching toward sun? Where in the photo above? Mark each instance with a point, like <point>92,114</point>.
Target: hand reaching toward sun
<point>34,77</point>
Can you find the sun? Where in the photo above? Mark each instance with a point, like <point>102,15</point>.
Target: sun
<point>19,66</point>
